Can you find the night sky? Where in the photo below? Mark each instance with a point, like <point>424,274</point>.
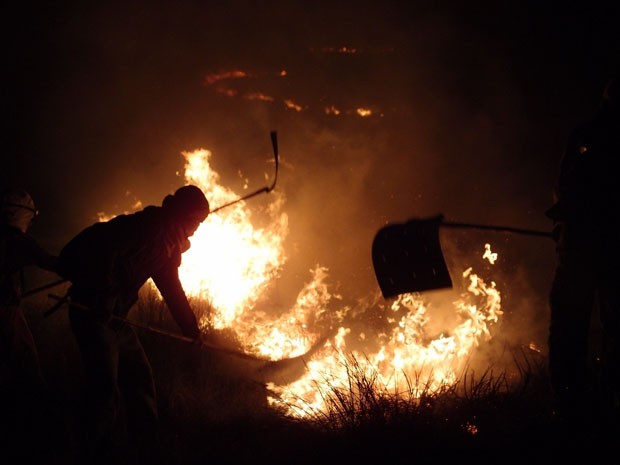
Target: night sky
<point>471,105</point>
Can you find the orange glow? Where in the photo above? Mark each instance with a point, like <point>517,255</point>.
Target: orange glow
<point>332,110</point>
<point>228,92</point>
<point>407,361</point>
<point>226,83</point>
<point>230,262</point>
<point>231,265</point>
<point>235,74</point>
<point>404,354</point>
<point>490,256</point>
<point>292,105</point>
<point>258,96</point>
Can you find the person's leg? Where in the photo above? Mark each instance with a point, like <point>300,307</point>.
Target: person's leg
<point>136,380</point>
<point>18,349</point>
<point>571,302</point>
<point>99,350</point>
<point>24,394</point>
<point>138,389</point>
<point>609,305</point>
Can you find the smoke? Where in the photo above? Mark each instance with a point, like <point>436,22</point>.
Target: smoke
<point>469,117</point>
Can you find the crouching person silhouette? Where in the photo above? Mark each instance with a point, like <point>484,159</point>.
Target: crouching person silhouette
<point>107,264</point>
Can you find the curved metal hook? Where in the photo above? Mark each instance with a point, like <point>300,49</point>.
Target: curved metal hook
<point>266,189</point>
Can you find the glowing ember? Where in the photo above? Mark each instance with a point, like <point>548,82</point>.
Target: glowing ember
<point>490,256</point>
<point>292,105</point>
<point>223,83</point>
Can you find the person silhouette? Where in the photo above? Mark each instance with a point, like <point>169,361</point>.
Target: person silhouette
<point>26,407</point>
<point>585,286</point>
<point>107,264</point>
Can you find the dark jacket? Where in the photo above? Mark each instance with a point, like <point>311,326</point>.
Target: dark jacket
<point>587,189</point>
<point>108,263</point>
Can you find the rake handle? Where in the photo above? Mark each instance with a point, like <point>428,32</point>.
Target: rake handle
<point>67,301</point>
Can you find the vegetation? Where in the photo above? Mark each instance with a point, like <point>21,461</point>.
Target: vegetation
<point>215,410</point>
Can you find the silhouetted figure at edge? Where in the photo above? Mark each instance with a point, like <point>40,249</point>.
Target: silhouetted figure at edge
<point>24,394</point>
<point>107,264</point>
<point>586,229</point>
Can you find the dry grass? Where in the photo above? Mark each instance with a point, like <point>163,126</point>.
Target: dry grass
<point>212,411</point>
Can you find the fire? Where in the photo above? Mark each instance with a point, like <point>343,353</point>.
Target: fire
<point>252,258</point>
<point>490,256</point>
<point>232,263</point>
<point>292,105</point>
<point>224,83</point>
<point>409,361</point>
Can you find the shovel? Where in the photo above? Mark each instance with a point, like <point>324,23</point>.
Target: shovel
<point>407,257</point>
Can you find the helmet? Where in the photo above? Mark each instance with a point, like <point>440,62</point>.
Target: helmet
<point>17,208</point>
<point>188,201</point>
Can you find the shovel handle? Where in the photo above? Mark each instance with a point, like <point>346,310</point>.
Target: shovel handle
<point>527,232</point>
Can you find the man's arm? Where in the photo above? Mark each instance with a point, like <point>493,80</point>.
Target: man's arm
<point>169,285</point>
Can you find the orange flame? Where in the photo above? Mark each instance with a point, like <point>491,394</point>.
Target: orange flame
<point>231,263</point>
<point>408,361</point>
<point>406,353</point>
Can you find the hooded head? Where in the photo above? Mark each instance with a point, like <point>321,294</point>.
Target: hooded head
<point>188,206</point>
<point>18,209</point>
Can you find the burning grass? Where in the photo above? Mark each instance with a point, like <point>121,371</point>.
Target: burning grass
<point>333,380</point>
<point>215,410</point>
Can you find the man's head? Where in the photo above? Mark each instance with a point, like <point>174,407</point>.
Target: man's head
<point>189,206</point>
<point>18,209</point>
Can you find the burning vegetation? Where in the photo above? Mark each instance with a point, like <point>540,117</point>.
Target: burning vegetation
<point>232,265</point>
<point>244,85</point>
<point>378,372</point>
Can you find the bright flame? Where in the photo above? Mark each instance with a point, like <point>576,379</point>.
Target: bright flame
<point>490,256</point>
<point>231,264</point>
<point>407,358</point>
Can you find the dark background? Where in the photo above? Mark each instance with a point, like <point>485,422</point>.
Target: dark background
<point>472,101</point>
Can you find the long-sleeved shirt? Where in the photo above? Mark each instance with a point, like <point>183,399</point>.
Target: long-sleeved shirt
<point>108,263</point>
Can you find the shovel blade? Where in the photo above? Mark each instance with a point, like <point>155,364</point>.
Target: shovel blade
<point>407,257</point>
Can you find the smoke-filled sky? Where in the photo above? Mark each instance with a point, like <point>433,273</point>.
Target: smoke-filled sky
<point>470,105</point>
